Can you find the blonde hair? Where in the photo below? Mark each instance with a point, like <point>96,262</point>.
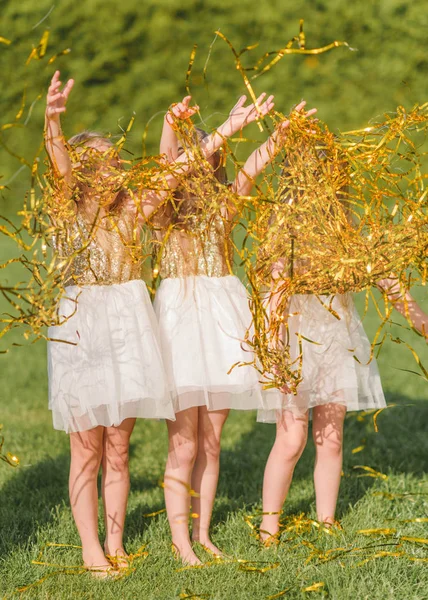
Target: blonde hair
<point>200,183</point>
<point>84,139</point>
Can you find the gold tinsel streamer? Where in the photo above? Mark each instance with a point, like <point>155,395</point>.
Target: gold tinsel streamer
<point>339,214</point>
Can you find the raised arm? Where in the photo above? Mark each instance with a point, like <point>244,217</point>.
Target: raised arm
<point>405,304</point>
<point>56,101</point>
<point>169,141</point>
<point>239,117</point>
<point>265,154</point>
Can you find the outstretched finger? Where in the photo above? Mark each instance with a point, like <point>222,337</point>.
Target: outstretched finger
<point>68,87</point>
<point>284,124</point>
<point>260,99</point>
<point>53,97</point>
<point>54,85</point>
<point>267,105</point>
<point>300,106</point>
<point>55,77</point>
<point>186,100</point>
<point>242,100</point>
<point>177,109</point>
<point>311,112</point>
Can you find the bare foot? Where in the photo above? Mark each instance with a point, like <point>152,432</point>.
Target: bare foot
<point>96,563</point>
<point>209,546</point>
<point>119,558</point>
<point>268,538</point>
<point>186,554</point>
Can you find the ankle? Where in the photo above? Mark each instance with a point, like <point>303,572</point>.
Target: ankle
<point>200,536</point>
<point>114,549</point>
<point>268,529</point>
<point>93,555</point>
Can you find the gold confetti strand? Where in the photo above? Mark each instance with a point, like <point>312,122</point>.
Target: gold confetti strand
<point>39,51</point>
<point>279,54</point>
<point>415,356</point>
<point>314,587</point>
<point>155,514</point>
<point>360,448</point>
<point>205,69</point>
<point>396,496</point>
<point>188,488</point>
<point>23,101</point>
<point>383,554</point>
<point>58,54</point>
<point>378,531</point>
<point>370,472</point>
<point>415,540</point>
<point>9,458</point>
<point>247,83</point>
<point>378,412</point>
<point>121,141</point>
<point>190,67</point>
<point>279,594</point>
<point>250,566</point>
<point>416,520</point>
<point>186,595</point>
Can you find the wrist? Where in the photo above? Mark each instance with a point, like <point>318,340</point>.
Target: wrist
<point>226,129</point>
<point>52,117</point>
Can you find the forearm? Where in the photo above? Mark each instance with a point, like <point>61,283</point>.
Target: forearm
<point>215,140</point>
<point>405,304</point>
<point>255,164</point>
<point>169,142</point>
<point>56,148</point>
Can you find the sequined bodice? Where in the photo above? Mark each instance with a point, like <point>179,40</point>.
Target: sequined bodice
<point>103,253</point>
<point>202,248</point>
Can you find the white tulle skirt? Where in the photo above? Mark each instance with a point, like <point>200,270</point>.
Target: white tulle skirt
<point>202,322</point>
<point>336,365</point>
<point>111,368</point>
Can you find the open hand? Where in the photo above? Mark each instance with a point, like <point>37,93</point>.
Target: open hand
<point>241,115</point>
<point>181,111</point>
<point>300,108</point>
<point>56,99</point>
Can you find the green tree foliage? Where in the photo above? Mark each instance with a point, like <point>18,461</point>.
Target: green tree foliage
<point>131,57</point>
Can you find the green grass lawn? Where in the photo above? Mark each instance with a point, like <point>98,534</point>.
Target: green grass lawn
<point>34,506</point>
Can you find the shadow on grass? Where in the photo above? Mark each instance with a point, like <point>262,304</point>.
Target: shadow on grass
<point>27,500</point>
<point>400,446</point>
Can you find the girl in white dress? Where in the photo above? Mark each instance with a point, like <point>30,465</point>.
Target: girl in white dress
<point>104,359</point>
<point>203,314</point>
<point>338,375</point>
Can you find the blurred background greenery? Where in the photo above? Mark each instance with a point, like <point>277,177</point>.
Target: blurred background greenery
<point>131,57</point>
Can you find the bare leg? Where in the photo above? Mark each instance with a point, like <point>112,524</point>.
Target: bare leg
<point>183,443</point>
<point>328,437</point>
<point>206,472</point>
<point>86,452</point>
<point>115,485</point>
<point>290,441</point>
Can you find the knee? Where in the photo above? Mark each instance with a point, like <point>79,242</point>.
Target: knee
<point>291,446</point>
<point>329,445</point>
<point>183,453</point>
<point>85,460</point>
